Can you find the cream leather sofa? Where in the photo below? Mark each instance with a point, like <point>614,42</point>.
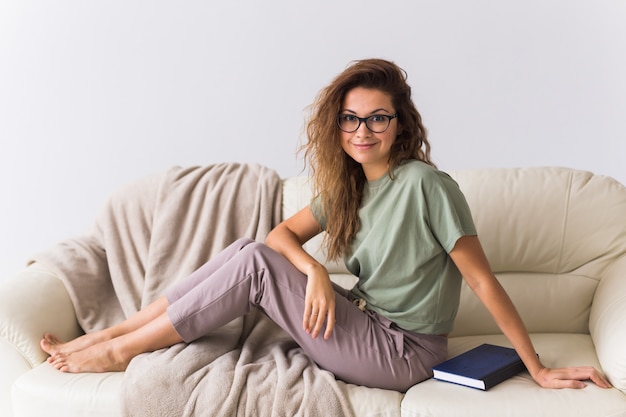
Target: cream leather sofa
<point>555,237</point>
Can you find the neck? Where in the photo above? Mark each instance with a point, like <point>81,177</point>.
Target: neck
<point>374,173</point>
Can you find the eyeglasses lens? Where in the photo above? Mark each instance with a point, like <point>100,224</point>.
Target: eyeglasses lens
<point>376,123</point>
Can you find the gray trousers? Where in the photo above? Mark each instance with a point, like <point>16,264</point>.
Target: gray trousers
<point>365,348</point>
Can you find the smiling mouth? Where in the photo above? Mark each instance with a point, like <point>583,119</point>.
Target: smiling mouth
<point>363,145</point>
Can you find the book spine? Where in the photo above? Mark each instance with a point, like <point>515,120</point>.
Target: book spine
<point>504,374</point>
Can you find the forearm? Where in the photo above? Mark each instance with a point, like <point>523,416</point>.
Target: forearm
<point>509,321</point>
<point>319,303</point>
<point>287,243</point>
<point>472,262</point>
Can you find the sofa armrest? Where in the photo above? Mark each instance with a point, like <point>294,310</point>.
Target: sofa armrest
<point>33,302</point>
<point>607,323</point>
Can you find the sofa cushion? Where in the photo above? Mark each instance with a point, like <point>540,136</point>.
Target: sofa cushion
<point>520,395</point>
<point>44,391</point>
<point>14,364</point>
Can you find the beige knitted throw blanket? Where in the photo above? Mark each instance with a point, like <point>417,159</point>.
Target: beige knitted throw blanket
<point>154,232</point>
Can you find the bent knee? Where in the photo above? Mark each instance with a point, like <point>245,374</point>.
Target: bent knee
<point>254,247</point>
<point>247,246</point>
<point>242,242</point>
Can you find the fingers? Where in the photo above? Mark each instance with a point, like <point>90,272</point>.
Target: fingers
<point>592,374</point>
<point>319,305</point>
<point>316,322</point>
<point>330,323</point>
<point>601,381</point>
<point>310,317</point>
<point>314,318</point>
<point>573,378</point>
<point>567,383</point>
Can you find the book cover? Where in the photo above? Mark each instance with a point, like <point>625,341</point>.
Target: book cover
<point>482,367</point>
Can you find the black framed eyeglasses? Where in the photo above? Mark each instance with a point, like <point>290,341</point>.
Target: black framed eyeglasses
<point>377,123</point>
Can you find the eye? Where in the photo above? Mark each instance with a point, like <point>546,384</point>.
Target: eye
<point>348,118</point>
<point>378,118</point>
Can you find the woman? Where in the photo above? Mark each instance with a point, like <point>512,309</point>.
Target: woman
<point>401,225</point>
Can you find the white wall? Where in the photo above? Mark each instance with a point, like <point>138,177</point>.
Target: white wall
<point>95,94</point>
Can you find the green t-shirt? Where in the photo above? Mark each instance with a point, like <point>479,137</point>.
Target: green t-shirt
<point>400,253</point>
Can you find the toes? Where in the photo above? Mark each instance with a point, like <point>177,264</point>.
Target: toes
<point>52,339</point>
<point>51,344</point>
<point>46,344</point>
<point>58,362</point>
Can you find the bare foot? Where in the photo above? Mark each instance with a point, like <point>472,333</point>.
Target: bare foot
<point>53,346</point>
<point>101,357</point>
<point>110,349</point>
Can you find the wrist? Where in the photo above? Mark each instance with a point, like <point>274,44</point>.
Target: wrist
<point>535,368</point>
<point>314,269</point>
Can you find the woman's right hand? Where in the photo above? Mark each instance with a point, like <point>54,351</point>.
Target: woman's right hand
<point>319,303</point>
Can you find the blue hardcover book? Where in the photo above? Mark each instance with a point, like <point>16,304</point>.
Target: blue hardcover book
<point>481,367</point>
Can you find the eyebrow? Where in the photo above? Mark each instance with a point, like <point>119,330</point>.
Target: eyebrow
<point>372,112</point>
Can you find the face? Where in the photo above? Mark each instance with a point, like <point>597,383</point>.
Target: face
<point>370,149</point>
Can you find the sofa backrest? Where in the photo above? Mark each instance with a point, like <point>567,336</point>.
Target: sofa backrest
<point>550,235</point>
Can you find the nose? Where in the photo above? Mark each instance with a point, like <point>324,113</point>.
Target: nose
<point>363,130</point>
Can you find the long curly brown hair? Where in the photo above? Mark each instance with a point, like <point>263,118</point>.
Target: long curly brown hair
<point>337,177</point>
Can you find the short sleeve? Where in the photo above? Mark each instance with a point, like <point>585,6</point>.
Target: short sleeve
<point>449,214</point>
<point>317,211</point>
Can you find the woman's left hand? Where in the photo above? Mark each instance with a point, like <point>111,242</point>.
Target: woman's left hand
<point>571,377</point>
<point>319,303</point>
